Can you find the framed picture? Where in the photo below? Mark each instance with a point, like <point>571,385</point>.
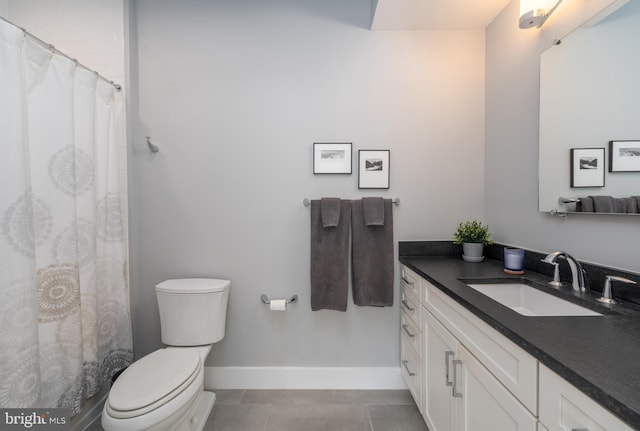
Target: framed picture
<point>373,169</point>
<point>332,158</point>
<point>624,156</point>
<point>587,167</point>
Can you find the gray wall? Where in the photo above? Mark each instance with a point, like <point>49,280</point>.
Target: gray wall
<point>235,93</point>
<point>511,153</point>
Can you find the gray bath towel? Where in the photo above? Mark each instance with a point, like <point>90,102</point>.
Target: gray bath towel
<point>637,198</point>
<point>329,260</point>
<point>330,208</point>
<point>631,205</point>
<point>372,258</point>
<point>585,205</point>
<point>373,211</point>
<point>603,204</point>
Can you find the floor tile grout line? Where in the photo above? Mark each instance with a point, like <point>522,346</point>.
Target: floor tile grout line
<point>266,422</point>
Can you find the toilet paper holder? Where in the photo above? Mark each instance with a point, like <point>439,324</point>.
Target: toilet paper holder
<point>265,299</point>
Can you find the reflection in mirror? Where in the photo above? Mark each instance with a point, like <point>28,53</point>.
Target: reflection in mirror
<point>589,96</point>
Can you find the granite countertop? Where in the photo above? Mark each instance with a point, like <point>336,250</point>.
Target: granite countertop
<point>600,355</point>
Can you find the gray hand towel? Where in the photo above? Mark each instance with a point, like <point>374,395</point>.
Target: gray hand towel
<point>603,204</point>
<point>373,211</point>
<point>329,260</point>
<point>585,205</point>
<point>330,208</point>
<point>372,258</point>
<point>637,198</point>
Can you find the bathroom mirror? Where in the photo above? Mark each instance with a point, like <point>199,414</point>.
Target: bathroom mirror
<point>589,96</point>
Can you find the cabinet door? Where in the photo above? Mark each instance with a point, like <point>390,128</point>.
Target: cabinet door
<point>565,408</point>
<point>440,349</point>
<point>484,403</point>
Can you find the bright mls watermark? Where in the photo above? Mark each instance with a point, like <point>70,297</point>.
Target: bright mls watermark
<point>34,419</point>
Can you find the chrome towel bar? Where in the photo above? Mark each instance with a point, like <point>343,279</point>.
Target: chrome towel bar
<point>306,201</point>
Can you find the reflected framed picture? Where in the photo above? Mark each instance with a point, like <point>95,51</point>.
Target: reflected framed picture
<point>373,169</point>
<point>332,158</point>
<point>624,156</point>
<point>587,167</point>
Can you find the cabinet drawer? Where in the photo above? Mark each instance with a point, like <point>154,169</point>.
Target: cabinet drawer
<point>564,408</point>
<point>410,282</point>
<point>511,365</point>
<point>410,305</point>
<point>411,367</point>
<point>411,331</point>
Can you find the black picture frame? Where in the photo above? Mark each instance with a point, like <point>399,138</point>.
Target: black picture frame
<point>374,169</point>
<point>332,158</point>
<point>624,156</point>
<point>587,167</point>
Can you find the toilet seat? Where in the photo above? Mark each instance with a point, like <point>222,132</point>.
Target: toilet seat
<point>153,381</point>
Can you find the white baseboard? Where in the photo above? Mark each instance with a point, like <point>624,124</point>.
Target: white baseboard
<point>303,378</point>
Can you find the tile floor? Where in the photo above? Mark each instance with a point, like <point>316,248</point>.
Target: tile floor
<point>313,410</point>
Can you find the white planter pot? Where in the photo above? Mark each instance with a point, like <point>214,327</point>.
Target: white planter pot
<point>472,251</point>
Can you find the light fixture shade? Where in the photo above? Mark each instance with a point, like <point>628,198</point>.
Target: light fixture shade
<point>533,13</point>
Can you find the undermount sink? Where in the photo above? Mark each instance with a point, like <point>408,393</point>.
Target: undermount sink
<point>530,301</point>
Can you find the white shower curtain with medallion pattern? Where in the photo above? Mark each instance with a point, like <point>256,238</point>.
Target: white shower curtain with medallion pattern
<point>65,325</point>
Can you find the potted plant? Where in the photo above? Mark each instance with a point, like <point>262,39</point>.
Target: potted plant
<point>473,235</point>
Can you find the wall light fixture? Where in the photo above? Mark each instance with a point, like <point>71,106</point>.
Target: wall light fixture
<point>533,13</point>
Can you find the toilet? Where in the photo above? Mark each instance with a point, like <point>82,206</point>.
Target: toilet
<point>165,389</point>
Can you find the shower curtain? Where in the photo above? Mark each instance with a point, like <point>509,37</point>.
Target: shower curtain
<point>65,325</point>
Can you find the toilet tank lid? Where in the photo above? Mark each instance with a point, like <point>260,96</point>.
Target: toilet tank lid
<point>193,285</point>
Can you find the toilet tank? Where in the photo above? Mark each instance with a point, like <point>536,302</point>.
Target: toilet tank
<point>193,311</point>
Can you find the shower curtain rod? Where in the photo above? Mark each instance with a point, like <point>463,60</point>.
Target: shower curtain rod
<point>57,51</point>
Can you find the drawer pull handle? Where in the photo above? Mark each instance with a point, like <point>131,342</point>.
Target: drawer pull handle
<point>405,327</point>
<point>447,355</point>
<point>579,429</point>
<point>406,367</point>
<point>407,306</point>
<point>454,390</point>
<point>410,283</point>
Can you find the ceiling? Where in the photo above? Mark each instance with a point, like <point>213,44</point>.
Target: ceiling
<point>435,14</point>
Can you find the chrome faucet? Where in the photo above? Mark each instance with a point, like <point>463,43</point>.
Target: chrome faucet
<point>577,272</point>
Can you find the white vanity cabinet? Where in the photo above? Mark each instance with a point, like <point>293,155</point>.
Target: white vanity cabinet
<point>464,375</point>
<point>459,392</point>
<point>565,408</point>
<point>513,367</point>
<point>410,334</point>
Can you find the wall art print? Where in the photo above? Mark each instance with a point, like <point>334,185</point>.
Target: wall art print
<point>332,158</point>
<point>587,167</point>
<point>624,156</point>
<point>373,169</point>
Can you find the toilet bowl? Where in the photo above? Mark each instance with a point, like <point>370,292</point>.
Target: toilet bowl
<point>165,389</point>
